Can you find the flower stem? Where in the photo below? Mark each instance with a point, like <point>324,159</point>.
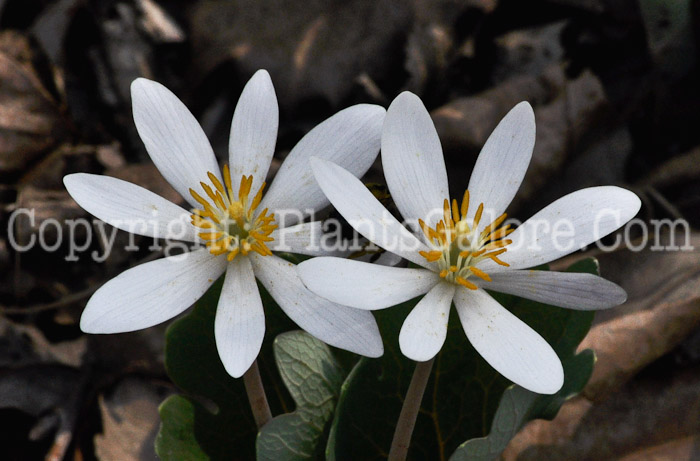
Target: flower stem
<point>256,395</point>
<point>409,411</point>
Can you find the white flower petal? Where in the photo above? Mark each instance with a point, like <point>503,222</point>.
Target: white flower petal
<point>502,163</point>
<point>239,326</point>
<point>412,160</point>
<point>130,207</point>
<point>365,213</point>
<point>340,326</point>
<point>364,285</point>
<point>253,131</point>
<point>563,289</point>
<point>302,238</point>
<point>509,345</point>
<point>424,331</point>
<point>151,293</point>
<point>566,225</point>
<point>350,138</point>
<point>172,136</point>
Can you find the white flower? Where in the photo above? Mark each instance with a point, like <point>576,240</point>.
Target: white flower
<point>461,252</point>
<point>235,220</point>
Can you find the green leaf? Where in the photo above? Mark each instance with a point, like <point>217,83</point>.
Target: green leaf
<point>175,440</point>
<point>313,378</point>
<point>222,423</point>
<point>519,406</point>
<point>463,393</point>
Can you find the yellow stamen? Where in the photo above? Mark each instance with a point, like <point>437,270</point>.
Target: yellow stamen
<point>214,180</point>
<point>455,211</point>
<point>231,223</point>
<point>431,256</point>
<point>497,244</point>
<point>481,274</point>
<point>227,181</point>
<point>494,225</point>
<point>477,216</point>
<point>466,283</point>
<point>458,246</point>
<point>211,235</point>
<point>465,204</point>
<point>258,198</point>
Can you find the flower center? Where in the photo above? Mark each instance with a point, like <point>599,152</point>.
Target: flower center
<point>459,246</point>
<point>229,224</point>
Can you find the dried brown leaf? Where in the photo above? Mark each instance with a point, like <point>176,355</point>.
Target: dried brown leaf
<point>465,123</point>
<point>315,51</point>
<point>130,422</point>
<point>615,414</point>
<point>663,289</point>
<point>682,449</point>
<point>648,413</point>
<point>30,117</point>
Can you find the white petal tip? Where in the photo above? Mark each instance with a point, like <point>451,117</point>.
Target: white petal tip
<point>523,113</point>
<point>261,79</point>
<point>375,351</point>
<point>523,106</point>
<point>624,200</point>
<point>406,101</point>
<point>550,388</point>
<point>415,353</point>
<point>90,326</point>
<point>141,84</point>
<point>549,383</point>
<point>261,73</point>
<point>236,370</point>
<point>619,296</point>
<point>372,110</point>
<point>71,180</point>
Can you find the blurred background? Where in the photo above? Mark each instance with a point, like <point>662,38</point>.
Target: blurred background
<point>616,91</point>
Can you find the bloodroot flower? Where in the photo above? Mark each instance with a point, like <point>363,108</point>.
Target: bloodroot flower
<point>240,226</point>
<point>464,248</point>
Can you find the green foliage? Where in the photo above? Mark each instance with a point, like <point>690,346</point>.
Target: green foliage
<point>175,439</point>
<point>215,406</point>
<point>464,392</point>
<point>465,397</point>
<point>313,377</point>
<point>213,419</point>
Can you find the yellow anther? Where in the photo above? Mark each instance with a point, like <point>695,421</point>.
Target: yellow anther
<point>477,216</point>
<point>230,222</point>
<point>214,180</point>
<point>494,225</point>
<point>465,204</point>
<point>455,211</point>
<point>466,283</point>
<point>211,235</point>
<point>479,273</point>
<point>429,255</point>
<point>458,247</point>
